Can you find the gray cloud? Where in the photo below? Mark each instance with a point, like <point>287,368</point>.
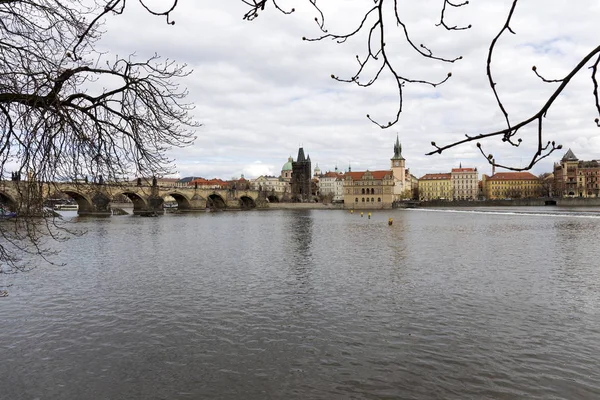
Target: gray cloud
<point>260,91</point>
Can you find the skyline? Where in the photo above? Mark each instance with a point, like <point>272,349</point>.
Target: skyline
<point>260,95</point>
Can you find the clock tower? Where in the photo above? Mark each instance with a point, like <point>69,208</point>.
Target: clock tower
<point>398,166</point>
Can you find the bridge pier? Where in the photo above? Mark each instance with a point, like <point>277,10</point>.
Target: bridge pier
<point>153,207</point>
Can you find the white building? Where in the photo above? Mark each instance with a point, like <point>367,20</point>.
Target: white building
<point>465,183</point>
<point>270,184</point>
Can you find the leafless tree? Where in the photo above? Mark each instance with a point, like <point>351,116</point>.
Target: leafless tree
<point>386,15</point>
<point>67,110</point>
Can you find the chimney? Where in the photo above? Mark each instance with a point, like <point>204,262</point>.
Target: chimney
<point>493,167</point>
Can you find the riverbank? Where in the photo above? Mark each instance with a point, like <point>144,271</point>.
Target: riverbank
<point>537,202</point>
<point>305,206</point>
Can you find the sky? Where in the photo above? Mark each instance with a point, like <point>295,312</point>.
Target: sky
<point>261,92</point>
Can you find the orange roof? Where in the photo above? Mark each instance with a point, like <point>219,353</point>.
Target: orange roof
<point>513,176</point>
<point>463,169</point>
<point>331,174</point>
<point>431,177</point>
<point>378,175</point>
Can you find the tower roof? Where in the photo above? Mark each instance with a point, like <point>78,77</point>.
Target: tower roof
<point>397,150</point>
<point>288,165</point>
<point>300,157</point>
<point>569,156</point>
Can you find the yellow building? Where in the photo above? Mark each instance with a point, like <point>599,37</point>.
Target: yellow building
<point>368,189</point>
<point>513,185</point>
<point>436,187</point>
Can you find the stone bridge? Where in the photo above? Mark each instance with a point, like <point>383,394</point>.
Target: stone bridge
<point>95,199</point>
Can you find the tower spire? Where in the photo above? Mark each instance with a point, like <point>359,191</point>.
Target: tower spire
<point>397,149</point>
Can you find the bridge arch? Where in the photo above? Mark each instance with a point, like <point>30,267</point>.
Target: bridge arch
<point>247,203</point>
<point>139,203</point>
<point>273,199</point>
<point>84,203</point>
<point>183,203</point>
<point>215,201</point>
<point>7,201</point>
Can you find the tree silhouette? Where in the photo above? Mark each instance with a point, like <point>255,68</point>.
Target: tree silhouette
<point>67,110</point>
<point>385,16</point>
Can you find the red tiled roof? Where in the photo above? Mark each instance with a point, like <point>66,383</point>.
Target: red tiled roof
<point>377,175</point>
<point>431,177</point>
<point>512,176</point>
<point>463,169</point>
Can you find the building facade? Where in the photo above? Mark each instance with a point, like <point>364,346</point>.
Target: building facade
<point>271,184</point>
<point>465,183</point>
<point>368,189</point>
<point>576,178</point>
<point>511,185</point>
<point>436,187</point>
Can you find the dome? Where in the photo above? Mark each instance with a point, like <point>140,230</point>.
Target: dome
<point>288,165</point>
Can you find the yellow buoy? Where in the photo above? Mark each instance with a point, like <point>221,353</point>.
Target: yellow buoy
<point>361,213</point>
<point>390,221</point>
<point>369,215</point>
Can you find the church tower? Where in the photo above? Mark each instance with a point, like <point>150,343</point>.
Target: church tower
<point>398,166</point>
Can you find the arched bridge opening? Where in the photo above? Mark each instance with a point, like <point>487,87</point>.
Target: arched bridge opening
<point>214,201</point>
<point>83,204</point>
<point>273,199</point>
<point>139,205</point>
<point>247,203</point>
<point>182,202</point>
<point>8,203</point>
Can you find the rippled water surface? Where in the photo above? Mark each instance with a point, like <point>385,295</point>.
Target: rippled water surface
<point>491,303</point>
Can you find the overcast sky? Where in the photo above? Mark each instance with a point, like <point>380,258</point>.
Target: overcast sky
<point>261,92</point>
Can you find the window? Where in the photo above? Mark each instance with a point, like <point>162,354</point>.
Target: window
<point>367,199</point>
<point>363,199</point>
<point>372,200</point>
<point>356,200</point>
<point>372,191</point>
<point>379,199</point>
<point>363,191</point>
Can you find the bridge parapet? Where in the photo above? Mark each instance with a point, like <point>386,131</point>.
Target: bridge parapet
<point>94,199</point>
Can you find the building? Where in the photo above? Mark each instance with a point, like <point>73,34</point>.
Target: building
<point>511,185</point>
<point>202,183</point>
<point>403,180</point>
<point>576,178</point>
<point>465,183</point>
<point>286,170</point>
<point>436,187</point>
<point>270,184</point>
<point>369,189</point>
<point>301,178</point>
<point>331,184</point>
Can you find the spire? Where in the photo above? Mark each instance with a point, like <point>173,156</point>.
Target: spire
<point>460,165</point>
<point>569,156</point>
<point>349,168</point>
<point>397,150</point>
<point>300,155</point>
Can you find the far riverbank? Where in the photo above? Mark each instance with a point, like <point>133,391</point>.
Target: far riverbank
<point>536,202</point>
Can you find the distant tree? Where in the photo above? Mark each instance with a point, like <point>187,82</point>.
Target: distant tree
<point>68,110</point>
<point>385,18</point>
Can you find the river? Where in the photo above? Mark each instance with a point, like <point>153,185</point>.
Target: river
<point>311,304</point>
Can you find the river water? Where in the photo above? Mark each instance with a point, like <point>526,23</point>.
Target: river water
<point>452,304</point>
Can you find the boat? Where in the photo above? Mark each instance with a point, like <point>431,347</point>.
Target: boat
<point>7,214</point>
<point>66,207</point>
